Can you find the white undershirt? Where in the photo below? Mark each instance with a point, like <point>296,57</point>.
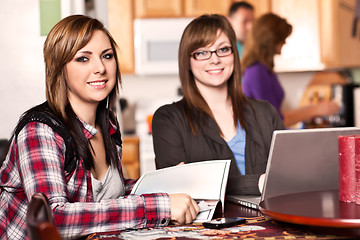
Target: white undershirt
<point>110,187</point>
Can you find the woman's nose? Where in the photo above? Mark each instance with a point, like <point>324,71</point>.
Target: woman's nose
<point>99,67</point>
<point>214,58</point>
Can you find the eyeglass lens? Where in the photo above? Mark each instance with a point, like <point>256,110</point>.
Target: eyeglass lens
<point>204,55</point>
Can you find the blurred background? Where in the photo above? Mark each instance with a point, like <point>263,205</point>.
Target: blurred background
<point>321,59</point>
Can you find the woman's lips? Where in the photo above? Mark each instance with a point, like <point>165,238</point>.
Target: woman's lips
<point>215,71</point>
<point>98,84</point>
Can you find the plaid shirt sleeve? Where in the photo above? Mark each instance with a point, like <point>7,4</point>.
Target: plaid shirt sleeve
<point>41,165</point>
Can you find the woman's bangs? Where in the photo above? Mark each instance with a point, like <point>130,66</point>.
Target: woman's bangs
<point>203,37</point>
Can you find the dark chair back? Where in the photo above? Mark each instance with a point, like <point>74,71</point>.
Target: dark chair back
<point>4,146</point>
<point>39,219</point>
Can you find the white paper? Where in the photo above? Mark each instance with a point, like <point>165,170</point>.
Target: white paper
<point>205,180</point>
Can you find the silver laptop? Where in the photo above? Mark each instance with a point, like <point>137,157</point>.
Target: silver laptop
<point>300,161</point>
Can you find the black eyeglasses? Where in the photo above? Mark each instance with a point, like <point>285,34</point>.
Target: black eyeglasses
<point>205,55</point>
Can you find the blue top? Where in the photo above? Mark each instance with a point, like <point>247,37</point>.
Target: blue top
<point>259,83</point>
<point>239,47</point>
<point>237,146</point>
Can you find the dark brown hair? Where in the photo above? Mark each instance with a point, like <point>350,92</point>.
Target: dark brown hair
<point>238,5</point>
<point>260,46</point>
<point>201,32</point>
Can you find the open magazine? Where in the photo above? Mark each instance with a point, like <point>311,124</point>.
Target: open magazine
<point>204,181</point>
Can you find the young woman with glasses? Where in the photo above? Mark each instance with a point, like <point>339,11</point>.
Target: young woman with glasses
<point>215,120</point>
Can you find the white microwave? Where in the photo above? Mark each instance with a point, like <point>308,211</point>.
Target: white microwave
<point>156,44</point>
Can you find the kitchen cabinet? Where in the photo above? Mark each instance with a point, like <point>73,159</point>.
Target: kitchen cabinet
<point>341,49</point>
<point>131,156</point>
<point>179,8</point>
<point>194,8</point>
<point>321,37</point>
<point>191,8</point>
<point>120,16</point>
<point>158,8</point>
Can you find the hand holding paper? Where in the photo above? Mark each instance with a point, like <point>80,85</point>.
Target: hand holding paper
<point>201,181</point>
<point>183,208</point>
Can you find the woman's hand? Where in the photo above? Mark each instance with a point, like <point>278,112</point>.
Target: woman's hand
<point>183,208</point>
<point>327,108</point>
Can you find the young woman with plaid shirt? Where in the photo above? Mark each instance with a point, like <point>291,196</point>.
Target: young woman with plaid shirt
<point>69,147</point>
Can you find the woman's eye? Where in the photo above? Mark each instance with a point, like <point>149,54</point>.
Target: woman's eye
<point>81,59</point>
<point>224,49</point>
<point>108,56</point>
<point>200,53</point>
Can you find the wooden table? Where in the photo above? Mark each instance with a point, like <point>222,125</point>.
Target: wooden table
<point>258,226</point>
<point>319,211</point>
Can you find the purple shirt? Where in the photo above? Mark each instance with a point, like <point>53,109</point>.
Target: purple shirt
<point>261,84</point>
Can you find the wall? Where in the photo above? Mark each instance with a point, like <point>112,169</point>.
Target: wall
<point>21,62</point>
<point>22,82</point>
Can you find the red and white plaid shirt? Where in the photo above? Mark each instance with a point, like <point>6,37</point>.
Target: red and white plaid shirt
<point>35,163</point>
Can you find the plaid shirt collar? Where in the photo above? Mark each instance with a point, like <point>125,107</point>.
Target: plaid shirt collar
<point>90,131</point>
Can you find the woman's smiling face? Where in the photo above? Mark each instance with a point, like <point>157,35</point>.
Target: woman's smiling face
<point>215,71</point>
<point>91,74</point>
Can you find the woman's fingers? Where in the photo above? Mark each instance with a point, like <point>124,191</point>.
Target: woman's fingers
<point>183,208</point>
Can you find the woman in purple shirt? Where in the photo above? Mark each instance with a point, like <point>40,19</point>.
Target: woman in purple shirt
<point>260,83</point>
<point>266,39</point>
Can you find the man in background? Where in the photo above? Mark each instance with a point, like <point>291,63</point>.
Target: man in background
<point>241,16</point>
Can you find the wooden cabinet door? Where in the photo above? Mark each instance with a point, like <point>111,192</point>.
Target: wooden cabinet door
<point>302,50</point>
<point>340,48</point>
<point>120,16</point>
<point>130,157</point>
<point>349,54</point>
<point>321,37</point>
<point>158,8</point>
<point>195,8</point>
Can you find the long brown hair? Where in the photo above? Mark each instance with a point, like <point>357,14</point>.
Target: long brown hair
<point>199,33</point>
<point>260,46</point>
<point>62,43</point>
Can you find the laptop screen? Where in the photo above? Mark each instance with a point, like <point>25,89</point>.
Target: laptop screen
<point>303,160</point>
